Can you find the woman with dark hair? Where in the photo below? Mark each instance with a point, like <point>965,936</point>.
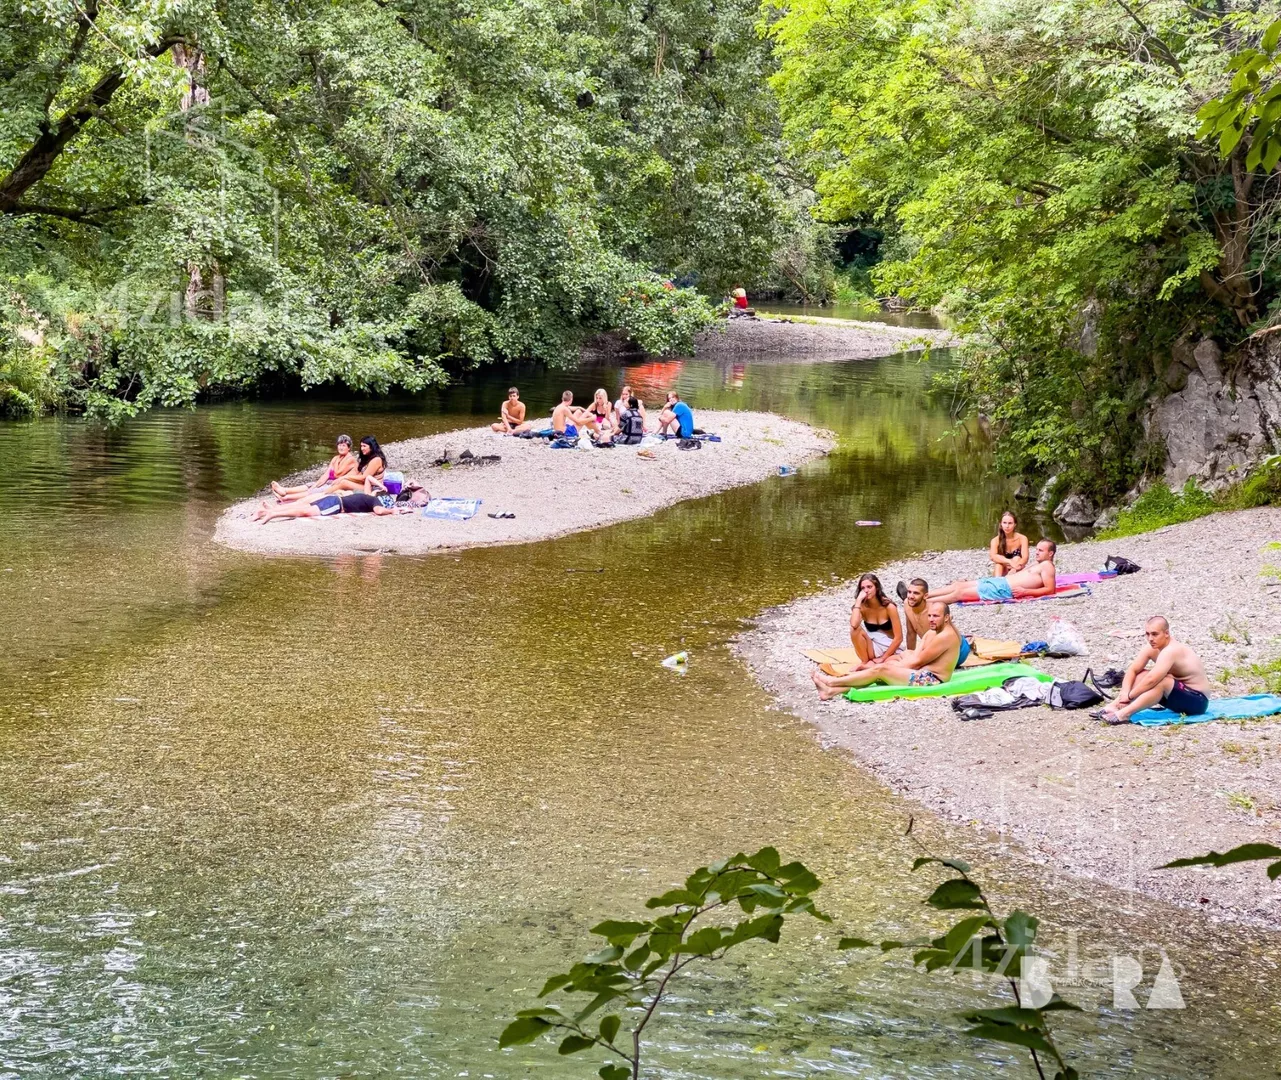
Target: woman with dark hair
<point>876,629</point>
<point>1008,550</point>
<point>370,465</point>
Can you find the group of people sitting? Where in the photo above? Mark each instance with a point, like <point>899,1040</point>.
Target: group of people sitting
<point>606,423</point>
<point>923,647</point>
<point>353,484</point>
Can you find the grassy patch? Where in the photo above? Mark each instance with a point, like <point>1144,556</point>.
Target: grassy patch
<point>1159,506</point>
<point>1262,678</point>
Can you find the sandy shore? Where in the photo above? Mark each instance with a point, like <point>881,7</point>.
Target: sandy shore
<point>1111,803</point>
<point>817,339</point>
<point>551,492</point>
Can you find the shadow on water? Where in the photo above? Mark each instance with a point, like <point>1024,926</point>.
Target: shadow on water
<point>312,818</point>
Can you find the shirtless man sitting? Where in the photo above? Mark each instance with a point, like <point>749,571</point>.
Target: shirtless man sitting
<point>929,664</point>
<point>511,417</point>
<point>1176,678</point>
<point>563,416</point>
<point>1036,579</point>
<point>916,621</point>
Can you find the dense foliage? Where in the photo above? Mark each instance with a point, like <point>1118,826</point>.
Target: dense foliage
<point>197,197</point>
<point>1044,172</point>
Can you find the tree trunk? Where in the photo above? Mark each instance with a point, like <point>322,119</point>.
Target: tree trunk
<point>206,293</point>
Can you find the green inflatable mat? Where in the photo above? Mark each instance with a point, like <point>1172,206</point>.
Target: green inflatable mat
<point>963,681</point>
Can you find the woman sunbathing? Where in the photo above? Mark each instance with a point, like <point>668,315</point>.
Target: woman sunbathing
<point>341,464</point>
<point>1008,550</point>
<point>876,630</point>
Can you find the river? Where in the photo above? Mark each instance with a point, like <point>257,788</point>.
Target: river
<point>275,818</point>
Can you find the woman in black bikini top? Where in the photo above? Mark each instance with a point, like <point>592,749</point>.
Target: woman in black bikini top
<point>1008,550</point>
<point>876,630</point>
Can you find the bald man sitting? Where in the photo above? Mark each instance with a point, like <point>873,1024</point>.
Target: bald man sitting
<point>1176,678</point>
<point>929,664</point>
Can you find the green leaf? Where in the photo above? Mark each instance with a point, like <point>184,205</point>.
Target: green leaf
<point>609,1026</point>
<point>555,983</point>
<point>704,941</point>
<point>1229,138</point>
<point>1242,853</point>
<point>855,943</point>
<point>955,894</point>
<point>604,956</point>
<point>958,865</point>
<point>766,861</point>
<point>572,1044</point>
<point>1270,37</point>
<point>522,1030</point>
<point>1015,1036</point>
<point>672,899</point>
<point>1009,1014</point>
<point>1020,928</point>
<point>614,1072</point>
<point>620,933</point>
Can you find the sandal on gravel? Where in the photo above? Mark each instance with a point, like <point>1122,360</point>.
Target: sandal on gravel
<point>1113,719</point>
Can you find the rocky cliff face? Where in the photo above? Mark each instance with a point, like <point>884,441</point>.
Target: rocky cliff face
<point>1219,419</point>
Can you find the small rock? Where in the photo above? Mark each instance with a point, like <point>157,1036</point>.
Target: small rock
<point>1077,510</point>
<point>1107,518</point>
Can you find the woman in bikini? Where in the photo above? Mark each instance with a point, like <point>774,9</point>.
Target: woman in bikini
<point>371,464</point>
<point>341,464</point>
<point>598,417</point>
<point>876,629</point>
<point>1008,550</point>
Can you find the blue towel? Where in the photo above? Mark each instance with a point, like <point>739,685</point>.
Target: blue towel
<point>1226,708</point>
<point>452,509</point>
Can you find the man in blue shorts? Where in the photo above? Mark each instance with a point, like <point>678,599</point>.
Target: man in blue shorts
<point>1036,579</point>
<point>677,416</point>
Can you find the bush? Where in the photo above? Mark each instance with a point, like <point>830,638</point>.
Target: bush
<point>1159,506</point>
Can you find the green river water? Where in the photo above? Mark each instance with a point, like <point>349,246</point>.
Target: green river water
<point>306,818</point>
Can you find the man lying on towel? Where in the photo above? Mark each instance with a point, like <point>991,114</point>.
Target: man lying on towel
<point>1176,678</point>
<point>1034,580</point>
<point>930,663</point>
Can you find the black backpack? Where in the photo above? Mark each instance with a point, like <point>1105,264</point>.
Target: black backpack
<point>1073,695</point>
<point>1077,695</point>
<point>1121,565</point>
<point>632,428</point>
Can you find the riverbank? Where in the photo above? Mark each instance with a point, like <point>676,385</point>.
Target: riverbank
<point>550,492</point>
<point>771,339</point>
<point>1107,803</point>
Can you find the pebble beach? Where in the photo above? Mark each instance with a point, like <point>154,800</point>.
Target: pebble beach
<point>1109,803</point>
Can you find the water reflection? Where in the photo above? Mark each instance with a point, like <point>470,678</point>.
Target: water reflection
<point>304,818</point>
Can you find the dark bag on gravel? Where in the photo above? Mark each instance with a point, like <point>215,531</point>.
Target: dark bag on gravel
<point>1121,566</point>
<point>1074,695</point>
<point>688,444</point>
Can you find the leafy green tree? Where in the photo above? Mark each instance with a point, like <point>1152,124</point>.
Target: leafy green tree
<point>199,199</point>
<point>1043,169</point>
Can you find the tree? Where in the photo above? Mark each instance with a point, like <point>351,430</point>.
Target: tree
<point>1042,167</point>
<point>195,200</point>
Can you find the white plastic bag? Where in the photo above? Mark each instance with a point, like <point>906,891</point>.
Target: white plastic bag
<point>1064,639</point>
